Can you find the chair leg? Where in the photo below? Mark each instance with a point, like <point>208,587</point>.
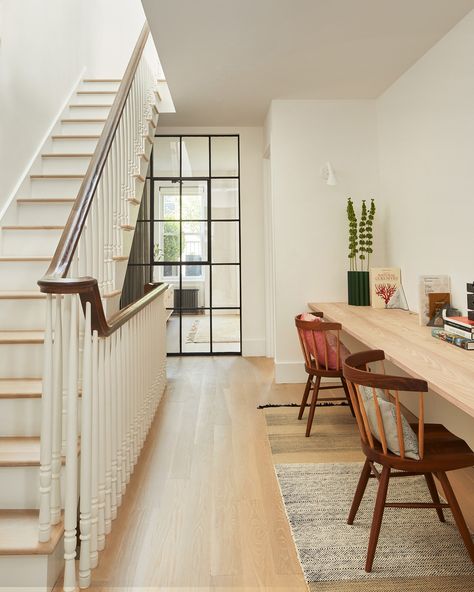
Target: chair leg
<point>304,400</point>
<point>312,408</point>
<point>377,518</point>
<point>359,494</point>
<point>456,510</point>
<point>434,495</point>
<point>348,395</point>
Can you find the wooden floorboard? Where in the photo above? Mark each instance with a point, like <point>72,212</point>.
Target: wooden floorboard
<point>203,510</point>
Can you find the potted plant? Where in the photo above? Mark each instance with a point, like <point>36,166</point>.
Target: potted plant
<point>360,249</point>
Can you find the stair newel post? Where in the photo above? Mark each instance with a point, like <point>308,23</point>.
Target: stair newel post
<point>70,504</point>
<point>46,428</point>
<point>86,455</point>
<point>95,451</point>
<point>101,509</point>
<point>117,394</point>
<point>57,414</point>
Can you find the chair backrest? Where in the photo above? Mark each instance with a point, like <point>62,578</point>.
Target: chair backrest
<point>358,375</point>
<point>321,348</point>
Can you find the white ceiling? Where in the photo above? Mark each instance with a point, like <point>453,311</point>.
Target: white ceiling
<point>225,60</point>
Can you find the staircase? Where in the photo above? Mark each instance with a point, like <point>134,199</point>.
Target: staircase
<point>30,233</point>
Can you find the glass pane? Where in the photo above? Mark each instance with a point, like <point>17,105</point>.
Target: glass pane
<point>166,201</point>
<point>224,156</point>
<point>166,242</point>
<point>193,295</point>
<point>225,242</point>
<point>225,285</point>
<point>194,200</point>
<point>166,157</point>
<point>224,199</point>
<point>194,241</point>
<point>225,331</point>
<point>172,334</point>
<point>166,273</point>
<point>195,154</point>
<point>196,332</point>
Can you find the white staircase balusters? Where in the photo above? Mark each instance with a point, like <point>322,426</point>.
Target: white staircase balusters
<point>115,371</point>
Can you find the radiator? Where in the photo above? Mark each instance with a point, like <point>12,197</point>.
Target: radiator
<point>186,298</point>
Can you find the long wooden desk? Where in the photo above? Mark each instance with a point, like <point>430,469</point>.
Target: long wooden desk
<point>449,370</point>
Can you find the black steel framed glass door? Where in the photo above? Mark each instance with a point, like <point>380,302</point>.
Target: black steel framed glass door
<point>195,240</point>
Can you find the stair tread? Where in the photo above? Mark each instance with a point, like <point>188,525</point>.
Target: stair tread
<point>21,295</point>
<point>28,258</point>
<point>31,227</point>
<point>90,105</point>
<point>82,120</point>
<point>11,337</point>
<point>76,137</point>
<point>16,451</point>
<point>27,388</point>
<point>46,200</point>
<point>67,155</point>
<point>102,80</point>
<point>19,533</point>
<point>57,176</point>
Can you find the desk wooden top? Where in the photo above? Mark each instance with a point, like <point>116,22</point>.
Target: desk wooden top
<point>449,370</point>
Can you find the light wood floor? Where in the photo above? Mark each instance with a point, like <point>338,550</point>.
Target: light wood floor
<point>203,509</point>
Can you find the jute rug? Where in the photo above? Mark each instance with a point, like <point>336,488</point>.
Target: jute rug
<point>225,329</point>
<point>415,551</point>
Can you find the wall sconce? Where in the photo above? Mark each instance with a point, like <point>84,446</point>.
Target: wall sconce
<point>328,175</point>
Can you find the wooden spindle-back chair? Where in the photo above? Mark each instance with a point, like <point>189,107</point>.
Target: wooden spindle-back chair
<point>316,370</point>
<point>439,450</point>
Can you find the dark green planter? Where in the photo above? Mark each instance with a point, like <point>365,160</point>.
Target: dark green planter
<point>358,293</point>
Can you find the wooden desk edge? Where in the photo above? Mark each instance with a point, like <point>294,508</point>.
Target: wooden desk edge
<point>316,307</point>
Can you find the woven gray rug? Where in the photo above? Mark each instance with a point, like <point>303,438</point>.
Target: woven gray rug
<point>412,543</point>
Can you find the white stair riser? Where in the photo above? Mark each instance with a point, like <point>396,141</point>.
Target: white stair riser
<point>23,314</point>
<point>66,145</point>
<point>22,275</point>
<point>80,127</point>
<point>92,99</point>
<point>31,573</point>
<point>92,111</point>
<point>65,165</point>
<point>29,242</point>
<point>21,360</point>
<point>22,492</point>
<point>54,214</point>
<point>99,85</point>
<point>55,187</point>
<point>20,417</point>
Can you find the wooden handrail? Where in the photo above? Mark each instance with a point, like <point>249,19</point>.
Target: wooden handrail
<point>55,280</point>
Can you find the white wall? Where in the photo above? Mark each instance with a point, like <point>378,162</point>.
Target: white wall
<point>426,139</point>
<point>45,45</point>
<point>426,124</point>
<point>309,217</point>
<point>252,230</point>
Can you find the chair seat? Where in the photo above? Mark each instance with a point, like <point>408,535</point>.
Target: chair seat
<point>443,452</point>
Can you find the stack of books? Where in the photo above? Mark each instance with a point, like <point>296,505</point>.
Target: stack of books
<point>458,331</point>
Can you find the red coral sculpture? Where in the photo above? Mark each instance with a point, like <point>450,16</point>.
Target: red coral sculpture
<point>385,291</point>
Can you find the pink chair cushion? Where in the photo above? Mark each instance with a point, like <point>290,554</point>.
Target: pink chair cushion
<point>319,338</point>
